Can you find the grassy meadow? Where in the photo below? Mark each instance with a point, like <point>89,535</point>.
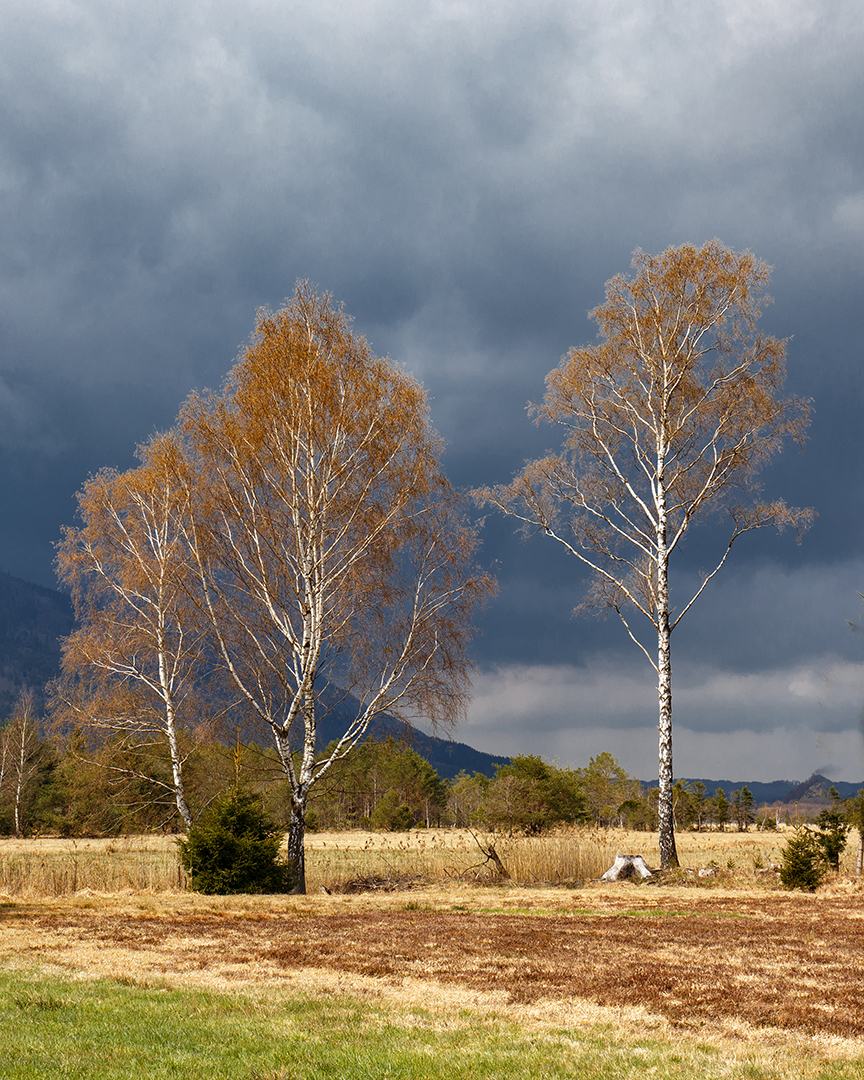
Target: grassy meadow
<point>69,1028</point>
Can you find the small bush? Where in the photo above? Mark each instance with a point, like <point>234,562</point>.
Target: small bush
<point>803,865</point>
<point>234,848</point>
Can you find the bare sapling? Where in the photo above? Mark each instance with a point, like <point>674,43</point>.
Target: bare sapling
<point>130,669</point>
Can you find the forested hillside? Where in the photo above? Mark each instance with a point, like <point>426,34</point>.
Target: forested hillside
<point>445,755</point>
<point>33,619</point>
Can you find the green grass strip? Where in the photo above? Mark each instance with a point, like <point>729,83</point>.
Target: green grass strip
<point>105,1029</point>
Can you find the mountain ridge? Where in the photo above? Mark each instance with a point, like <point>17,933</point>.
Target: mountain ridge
<point>775,791</point>
<point>33,619</point>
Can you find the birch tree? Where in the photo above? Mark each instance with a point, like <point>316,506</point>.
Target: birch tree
<point>667,420</point>
<point>20,759</point>
<point>130,668</point>
<point>333,563</point>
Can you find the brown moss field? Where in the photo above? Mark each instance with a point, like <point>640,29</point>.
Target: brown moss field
<point>752,966</point>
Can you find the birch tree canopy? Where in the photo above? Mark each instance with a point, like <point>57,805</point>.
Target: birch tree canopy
<point>332,560</point>
<point>665,422</point>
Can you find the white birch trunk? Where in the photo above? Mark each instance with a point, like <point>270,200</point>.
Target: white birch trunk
<point>666,826</point>
<point>167,689</point>
<point>665,809</point>
<point>300,796</point>
<point>177,772</point>
<point>5,751</point>
<point>21,774</point>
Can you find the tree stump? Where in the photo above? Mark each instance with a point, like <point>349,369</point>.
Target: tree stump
<point>625,867</point>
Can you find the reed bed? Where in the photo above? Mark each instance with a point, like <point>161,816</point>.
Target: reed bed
<point>335,861</point>
<point>568,856</point>
<point>51,867</point>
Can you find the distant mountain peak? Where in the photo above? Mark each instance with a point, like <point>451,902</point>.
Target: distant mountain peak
<point>814,787</point>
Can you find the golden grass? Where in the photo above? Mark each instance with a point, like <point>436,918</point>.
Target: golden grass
<point>566,856</point>
<point>451,855</point>
<point>46,866</point>
<point>56,867</point>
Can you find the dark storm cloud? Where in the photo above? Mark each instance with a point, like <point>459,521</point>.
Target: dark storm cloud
<point>465,177</point>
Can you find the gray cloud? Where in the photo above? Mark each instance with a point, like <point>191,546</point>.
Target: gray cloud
<point>768,649</point>
<point>465,176</point>
<point>783,723</point>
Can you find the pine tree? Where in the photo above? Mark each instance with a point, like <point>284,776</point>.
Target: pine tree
<point>742,808</point>
<point>721,808</point>
<point>234,848</point>
<point>802,864</point>
<point>833,829</point>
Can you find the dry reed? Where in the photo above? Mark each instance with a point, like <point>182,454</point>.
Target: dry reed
<point>569,856</point>
<point>46,867</point>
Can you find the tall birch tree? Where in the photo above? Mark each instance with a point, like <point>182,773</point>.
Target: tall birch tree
<point>333,562</point>
<point>666,421</point>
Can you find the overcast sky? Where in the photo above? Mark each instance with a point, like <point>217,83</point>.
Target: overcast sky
<point>465,176</point>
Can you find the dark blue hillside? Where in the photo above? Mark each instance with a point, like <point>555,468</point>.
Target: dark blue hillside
<point>32,621</point>
<point>777,790</point>
<point>446,756</point>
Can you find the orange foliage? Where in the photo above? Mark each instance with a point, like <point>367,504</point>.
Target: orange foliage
<point>332,558</point>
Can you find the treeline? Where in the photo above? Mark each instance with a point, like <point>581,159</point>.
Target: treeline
<point>70,788</point>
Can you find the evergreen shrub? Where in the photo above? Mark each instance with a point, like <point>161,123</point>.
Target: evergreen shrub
<point>234,848</point>
<point>802,865</point>
<point>391,814</point>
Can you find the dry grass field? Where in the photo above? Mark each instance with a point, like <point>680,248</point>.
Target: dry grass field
<point>696,958</point>
<point>770,979</point>
<point>57,867</point>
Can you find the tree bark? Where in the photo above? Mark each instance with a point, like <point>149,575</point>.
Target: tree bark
<point>668,850</point>
<point>296,844</point>
<point>19,786</point>
<point>177,773</point>
<point>23,755</point>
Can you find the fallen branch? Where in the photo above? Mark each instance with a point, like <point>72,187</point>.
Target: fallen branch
<point>491,856</point>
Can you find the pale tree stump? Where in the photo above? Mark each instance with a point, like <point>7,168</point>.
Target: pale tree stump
<point>625,867</point>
